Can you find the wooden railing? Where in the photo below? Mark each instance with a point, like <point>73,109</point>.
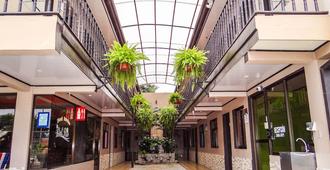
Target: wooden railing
<point>234,17</point>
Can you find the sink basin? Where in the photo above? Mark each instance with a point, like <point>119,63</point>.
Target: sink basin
<point>298,161</point>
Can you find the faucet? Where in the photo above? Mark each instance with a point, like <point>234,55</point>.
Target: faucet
<point>301,139</point>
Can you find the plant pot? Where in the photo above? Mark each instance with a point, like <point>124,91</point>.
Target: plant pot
<point>178,101</point>
<point>188,68</point>
<point>124,67</point>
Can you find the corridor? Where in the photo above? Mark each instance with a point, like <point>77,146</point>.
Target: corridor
<point>183,165</point>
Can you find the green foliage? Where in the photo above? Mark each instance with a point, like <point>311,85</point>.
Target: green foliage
<point>169,145</point>
<point>124,54</point>
<point>149,145</point>
<point>148,88</point>
<point>145,118</point>
<point>194,58</point>
<point>167,118</point>
<point>174,97</point>
<point>6,122</point>
<point>137,101</point>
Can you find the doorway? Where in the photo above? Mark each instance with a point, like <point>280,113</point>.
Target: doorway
<point>280,114</point>
<point>227,141</point>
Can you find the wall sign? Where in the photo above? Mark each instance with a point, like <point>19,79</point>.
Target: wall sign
<point>43,120</point>
<point>69,114</point>
<point>80,113</point>
<point>279,131</point>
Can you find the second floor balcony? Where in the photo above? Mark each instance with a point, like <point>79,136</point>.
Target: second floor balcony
<point>259,25</point>
<point>70,34</point>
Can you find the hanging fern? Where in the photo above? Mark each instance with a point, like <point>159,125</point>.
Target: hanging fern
<point>175,98</point>
<point>189,64</point>
<point>137,101</point>
<point>120,54</point>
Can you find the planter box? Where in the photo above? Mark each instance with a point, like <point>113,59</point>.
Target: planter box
<point>159,158</point>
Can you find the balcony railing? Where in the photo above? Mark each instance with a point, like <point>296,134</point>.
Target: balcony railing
<point>234,17</point>
<point>78,17</point>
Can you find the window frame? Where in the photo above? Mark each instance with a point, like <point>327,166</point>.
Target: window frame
<point>239,139</point>
<point>214,139</point>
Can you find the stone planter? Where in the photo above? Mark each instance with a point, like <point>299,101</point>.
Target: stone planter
<point>159,158</point>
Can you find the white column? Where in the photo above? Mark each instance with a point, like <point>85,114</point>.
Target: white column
<point>318,114</point>
<point>22,130</point>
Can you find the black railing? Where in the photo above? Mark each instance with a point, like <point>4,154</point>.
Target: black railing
<point>234,17</point>
<point>79,19</point>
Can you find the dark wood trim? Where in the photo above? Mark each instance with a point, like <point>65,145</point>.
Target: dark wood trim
<point>236,145</point>
<point>324,84</point>
<point>200,24</point>
<point>113,18</point>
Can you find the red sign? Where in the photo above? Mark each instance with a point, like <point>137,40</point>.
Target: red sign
<point>80,113</point>
<point>69,113</point>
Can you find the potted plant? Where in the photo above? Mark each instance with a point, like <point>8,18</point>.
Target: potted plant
<point>189,64</point>
<point>137,101</point>
<point>123,64</point>
<point>175,98</point>
<point>167,118</point>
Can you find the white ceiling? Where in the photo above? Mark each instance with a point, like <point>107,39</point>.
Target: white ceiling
<point>242,76</point>
<point>44,70</point>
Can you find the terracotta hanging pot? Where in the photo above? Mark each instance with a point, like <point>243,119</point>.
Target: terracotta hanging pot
<point>124,67</point>
<point>178,101</point>
<point>188,68</point>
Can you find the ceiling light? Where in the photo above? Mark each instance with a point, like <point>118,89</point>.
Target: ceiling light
<point>246,76</point>
<point>90,95</point>
<point>39,70</point>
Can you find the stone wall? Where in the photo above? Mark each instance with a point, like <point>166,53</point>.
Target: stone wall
<point>116,158</point>
<point>242,163</point>
<point>212,161</point>
<point>104,161</point>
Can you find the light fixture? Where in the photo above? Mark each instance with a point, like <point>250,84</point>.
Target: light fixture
<point>90,95</point>
<point>39,70</point>
<point>246,76</point>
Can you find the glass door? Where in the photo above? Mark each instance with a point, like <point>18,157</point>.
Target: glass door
<point>261,132</point>
<point>280,114</point>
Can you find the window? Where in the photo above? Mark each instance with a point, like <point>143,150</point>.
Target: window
<point>214,133</point>
<point>52,143</point>
<point>7,112</point>
<point>201,136</point>
<point>115,137</point>
<point>105,135</point>
<point>239,128</point>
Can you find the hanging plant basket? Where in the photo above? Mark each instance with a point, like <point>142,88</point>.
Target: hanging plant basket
<point>189,64</point>
<point>178,101</point>
<point>175,98</point>
<point>189,68</point>
<point>124,67</point>
<point>123,64</point>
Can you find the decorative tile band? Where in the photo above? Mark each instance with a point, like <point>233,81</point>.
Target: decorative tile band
<point>104,161</point>
<point>242,163</point>
<point>116,158</point>
<point>212,161</point>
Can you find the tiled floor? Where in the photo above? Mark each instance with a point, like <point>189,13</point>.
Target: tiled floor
<point>178,166</point>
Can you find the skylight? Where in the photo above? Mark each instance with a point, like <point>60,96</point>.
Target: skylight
<point>159,28</point>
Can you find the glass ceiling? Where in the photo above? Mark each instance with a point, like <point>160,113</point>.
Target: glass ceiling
<point>159,28</point>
